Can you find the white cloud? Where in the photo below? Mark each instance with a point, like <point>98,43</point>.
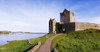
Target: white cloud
<point>90,19</point>
<point>32,18</point>
<point>3,13</point>
<point>95,20</point>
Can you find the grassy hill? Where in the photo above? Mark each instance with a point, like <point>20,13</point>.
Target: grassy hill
<point>79,41</point>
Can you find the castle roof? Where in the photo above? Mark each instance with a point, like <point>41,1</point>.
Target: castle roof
<point>52,19</point>
<point>65,10</point>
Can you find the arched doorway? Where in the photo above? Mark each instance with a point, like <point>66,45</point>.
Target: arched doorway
<point>63,30</point>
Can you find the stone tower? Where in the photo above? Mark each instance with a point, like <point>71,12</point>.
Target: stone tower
<point>52,26</point>
<point>67,16</point>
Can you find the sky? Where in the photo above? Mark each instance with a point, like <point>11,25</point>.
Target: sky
<point>34,15</point>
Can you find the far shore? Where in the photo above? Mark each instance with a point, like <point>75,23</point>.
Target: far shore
<point>14,33</point>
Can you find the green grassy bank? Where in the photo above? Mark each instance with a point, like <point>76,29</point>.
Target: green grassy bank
<point>79,41</point>
<point>4,33</point>
<point>23,45</point>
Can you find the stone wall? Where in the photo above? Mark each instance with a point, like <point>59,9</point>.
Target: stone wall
<point>59,27</point>
<point>83,26</point>
<point>35,48</point>
<point>70,27</point>
<point>65,28</point>
<point>75,26</point>
<point>72,17</point>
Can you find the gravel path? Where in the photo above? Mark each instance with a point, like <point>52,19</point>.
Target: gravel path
<point>46,47</point>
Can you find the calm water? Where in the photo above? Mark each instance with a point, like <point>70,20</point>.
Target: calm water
<point>5,38</point>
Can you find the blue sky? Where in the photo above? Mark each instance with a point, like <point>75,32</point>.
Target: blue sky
<point>33,15</point>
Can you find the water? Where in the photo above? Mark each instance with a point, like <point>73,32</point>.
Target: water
<point>5,38</point>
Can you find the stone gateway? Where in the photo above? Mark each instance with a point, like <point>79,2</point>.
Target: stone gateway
<point>67,24</point>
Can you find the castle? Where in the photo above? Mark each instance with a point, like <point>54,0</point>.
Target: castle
<point>67,24</point>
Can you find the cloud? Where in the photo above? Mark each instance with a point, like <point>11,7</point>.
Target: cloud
<point>14,25</point>
<point>26,17</point>
<point>78,5</point>
<point>95,20</point>
<point>3,13</point>
<point>90,20</point>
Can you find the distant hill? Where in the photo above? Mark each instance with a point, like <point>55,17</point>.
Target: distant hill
<point>10,32</point>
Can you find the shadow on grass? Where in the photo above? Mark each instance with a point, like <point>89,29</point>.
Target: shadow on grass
<point>29,48</point>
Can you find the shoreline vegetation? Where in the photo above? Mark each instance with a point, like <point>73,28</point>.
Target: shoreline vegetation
<point>23,45</point>
<point>12,33</point>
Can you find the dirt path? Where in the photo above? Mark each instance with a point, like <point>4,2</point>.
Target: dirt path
<point>46,47</point>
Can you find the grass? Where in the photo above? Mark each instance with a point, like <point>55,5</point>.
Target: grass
<point>79,41</point>
<point>57,39</point>
<point>23,45</point>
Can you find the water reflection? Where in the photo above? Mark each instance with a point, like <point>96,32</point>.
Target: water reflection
<point>5,38</point>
